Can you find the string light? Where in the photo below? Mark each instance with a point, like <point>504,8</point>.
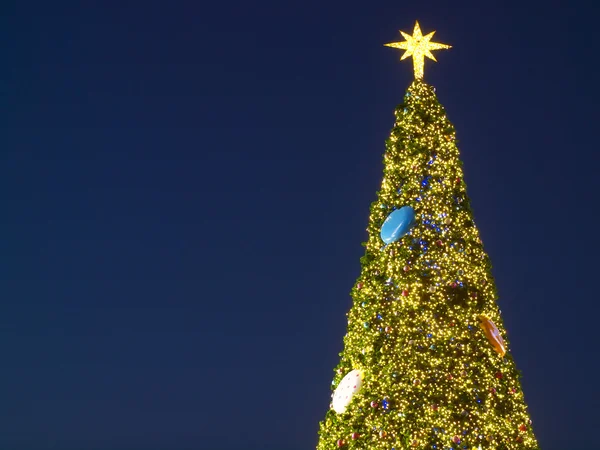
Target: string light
<point>414,327</point>
<point>419,47</point>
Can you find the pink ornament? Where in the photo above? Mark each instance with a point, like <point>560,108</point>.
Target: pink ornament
<point>405,293</point>
<point>374,404</point>
<point>359,286</point>
<point>340,443</point>
<point>456,440</point>
<point>406,268</point>
<point>355,436</point>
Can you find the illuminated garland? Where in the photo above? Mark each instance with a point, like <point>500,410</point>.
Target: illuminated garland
<point>424,329</point>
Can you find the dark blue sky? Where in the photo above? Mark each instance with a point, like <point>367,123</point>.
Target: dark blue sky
<point>185,186</point>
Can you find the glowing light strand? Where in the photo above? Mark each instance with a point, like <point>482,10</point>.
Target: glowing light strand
<point>419,47</point>
<point>414,328</point>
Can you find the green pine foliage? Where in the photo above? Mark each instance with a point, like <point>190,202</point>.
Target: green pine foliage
<point>433,377</point>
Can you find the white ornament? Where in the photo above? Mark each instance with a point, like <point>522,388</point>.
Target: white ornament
<point>347,388</point>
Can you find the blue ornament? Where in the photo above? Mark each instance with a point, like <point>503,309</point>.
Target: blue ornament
<point>397,224</point>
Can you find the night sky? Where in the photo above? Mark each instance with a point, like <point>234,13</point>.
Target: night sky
<point>185,186</point>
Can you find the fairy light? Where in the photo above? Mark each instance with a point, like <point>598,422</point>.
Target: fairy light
<point>447,386</point>
<point>419,47</point>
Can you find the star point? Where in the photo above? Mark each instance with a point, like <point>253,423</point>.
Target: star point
<point>419,47</point>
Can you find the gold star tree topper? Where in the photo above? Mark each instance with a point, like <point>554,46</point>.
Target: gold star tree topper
<point>418,46</point>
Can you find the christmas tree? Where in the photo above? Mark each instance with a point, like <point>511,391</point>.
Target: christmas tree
<point>426,363</point>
